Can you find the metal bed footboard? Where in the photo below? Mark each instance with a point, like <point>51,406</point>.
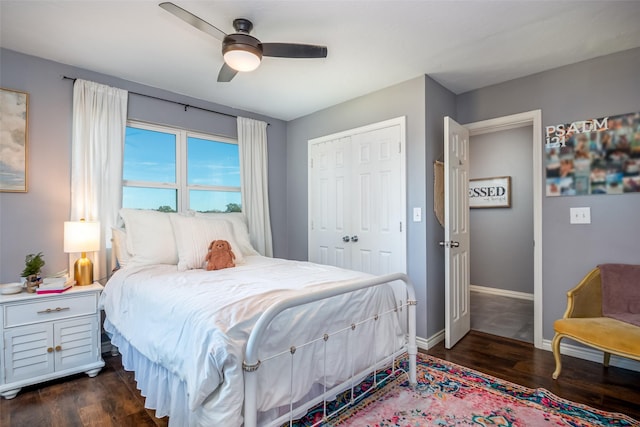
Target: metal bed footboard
<point>251,362</point>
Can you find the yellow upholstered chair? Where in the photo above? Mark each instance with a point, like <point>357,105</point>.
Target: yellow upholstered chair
<point>584,322</point>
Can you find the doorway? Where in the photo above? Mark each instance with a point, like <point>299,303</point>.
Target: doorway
<point>533,119</point>
<point>501,238</point>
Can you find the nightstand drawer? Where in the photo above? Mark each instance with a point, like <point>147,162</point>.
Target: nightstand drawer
<point>49,309</point>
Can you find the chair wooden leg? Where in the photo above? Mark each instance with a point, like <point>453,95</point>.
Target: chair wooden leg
<point>555,346</point>
<point>605,361</point>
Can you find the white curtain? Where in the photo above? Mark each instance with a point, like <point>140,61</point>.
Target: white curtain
<point>252,146</point>
<point>99,123</point>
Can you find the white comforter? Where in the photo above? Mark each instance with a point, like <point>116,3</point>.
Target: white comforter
<point>196,324</point>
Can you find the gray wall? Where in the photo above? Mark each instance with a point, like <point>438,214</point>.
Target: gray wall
<point>599,87</point>
<point>406,99</point>
<point>32,222</point>
<point>440,103</point>
<point>502,238</point>
<point>424,130</point>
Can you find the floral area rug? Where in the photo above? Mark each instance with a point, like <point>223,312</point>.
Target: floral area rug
<point>451,395</point>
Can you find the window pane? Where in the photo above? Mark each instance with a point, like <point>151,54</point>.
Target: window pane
<point>149,156</point>
<point>161,199</point>
<point>215,201</point>
<point>212,163</point>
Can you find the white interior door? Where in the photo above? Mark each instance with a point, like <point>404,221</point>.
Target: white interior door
<point>378,212</point>
<point>456,234</point>
<point>329,194</point>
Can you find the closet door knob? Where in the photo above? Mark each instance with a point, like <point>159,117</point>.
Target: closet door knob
<point>354,238</point>
<point>345,239</point>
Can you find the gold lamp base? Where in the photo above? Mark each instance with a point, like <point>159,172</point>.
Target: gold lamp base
<point>83,271</point>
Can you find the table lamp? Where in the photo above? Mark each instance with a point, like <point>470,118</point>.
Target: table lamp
<point>82,236</point>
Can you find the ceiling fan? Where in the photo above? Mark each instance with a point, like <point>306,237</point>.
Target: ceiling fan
<point>241,51</point>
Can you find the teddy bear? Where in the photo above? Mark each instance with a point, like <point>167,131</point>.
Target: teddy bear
<point>220,255</point>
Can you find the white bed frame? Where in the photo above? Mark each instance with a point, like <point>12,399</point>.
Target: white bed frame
<point>251,363</point>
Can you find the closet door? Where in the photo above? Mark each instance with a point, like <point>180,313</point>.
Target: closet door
<point>377,202</point>
<point>329,193</point>
<point>357,199</point>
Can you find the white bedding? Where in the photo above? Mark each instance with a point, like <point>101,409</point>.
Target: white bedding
<point>195,324</point>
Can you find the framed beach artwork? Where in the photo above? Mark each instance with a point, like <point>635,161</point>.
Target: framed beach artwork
<point>13,140</point>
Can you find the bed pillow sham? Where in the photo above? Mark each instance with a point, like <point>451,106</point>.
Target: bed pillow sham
<point>193,236</point>
<point>119,246</point>
<point>240,230</point>
<point>150,238</point>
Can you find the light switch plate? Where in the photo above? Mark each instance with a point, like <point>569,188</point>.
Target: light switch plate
<point>417,214</point>
<point>580,215</point>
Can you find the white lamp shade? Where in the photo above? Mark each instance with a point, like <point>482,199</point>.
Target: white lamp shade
<point>241,60</point>
<point>81,236</point>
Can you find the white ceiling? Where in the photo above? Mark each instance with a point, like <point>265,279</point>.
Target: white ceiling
<point>464,45</point>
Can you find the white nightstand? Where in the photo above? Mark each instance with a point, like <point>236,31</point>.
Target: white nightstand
<point>48,336</point>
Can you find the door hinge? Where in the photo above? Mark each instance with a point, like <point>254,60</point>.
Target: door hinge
<point>401,226</point>
<point>312,225</point>
<point>311,163</point>
<point>400,147</point>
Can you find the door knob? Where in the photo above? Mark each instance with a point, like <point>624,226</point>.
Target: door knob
<point>354,238</point>
<point>345,239</point>
<point>455,244</point>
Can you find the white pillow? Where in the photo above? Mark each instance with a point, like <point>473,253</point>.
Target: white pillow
<point>240,230</point>
<point>149,237</point>
<point>119,245</point>
<point>193,236</point>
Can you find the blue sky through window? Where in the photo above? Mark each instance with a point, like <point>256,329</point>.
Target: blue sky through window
<point>212,163</point>
<point>149,156</point>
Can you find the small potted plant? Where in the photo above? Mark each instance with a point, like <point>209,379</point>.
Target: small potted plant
<point>33,264</point>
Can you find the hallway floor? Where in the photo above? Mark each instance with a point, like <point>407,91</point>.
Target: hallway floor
<point>503,316</point>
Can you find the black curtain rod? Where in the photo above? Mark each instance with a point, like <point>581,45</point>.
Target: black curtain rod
<point>186,106</point>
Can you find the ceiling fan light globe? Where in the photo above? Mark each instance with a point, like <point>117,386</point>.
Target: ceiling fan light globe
<point>242,60</point>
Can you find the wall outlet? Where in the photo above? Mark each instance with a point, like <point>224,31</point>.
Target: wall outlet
<point>580,215</point>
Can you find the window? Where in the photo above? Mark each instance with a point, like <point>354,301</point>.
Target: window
<point>172,170</point>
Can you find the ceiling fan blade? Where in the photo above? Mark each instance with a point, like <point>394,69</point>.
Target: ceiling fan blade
<point>226,74</point>
<point>293,50</point>
<point>192,19</point>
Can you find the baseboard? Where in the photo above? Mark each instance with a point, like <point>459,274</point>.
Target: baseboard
<point>592,355</point>
<point>501,292</point>
<point>427,343</point>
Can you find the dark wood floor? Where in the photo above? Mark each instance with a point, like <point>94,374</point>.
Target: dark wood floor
<point>111,398</point>
<point>610,389</point>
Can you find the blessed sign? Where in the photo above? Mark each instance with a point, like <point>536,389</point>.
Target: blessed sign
<point>595,156</point>
<point>490,192</point>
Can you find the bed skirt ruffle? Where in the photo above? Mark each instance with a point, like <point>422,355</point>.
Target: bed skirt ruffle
<point>163,391</point>
<point>166,393</point>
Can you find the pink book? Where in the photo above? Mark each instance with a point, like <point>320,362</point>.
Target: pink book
<point>52,291</point>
